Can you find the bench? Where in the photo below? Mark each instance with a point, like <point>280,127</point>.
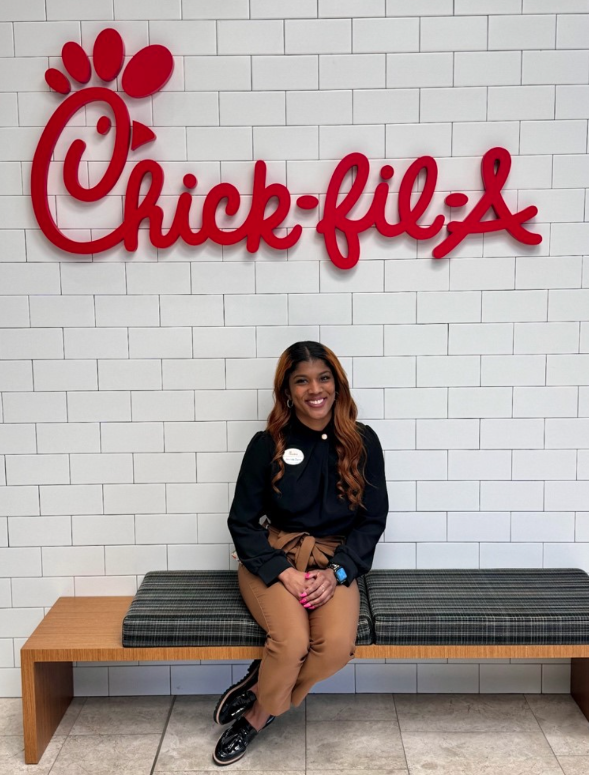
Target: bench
<point>405,614</point>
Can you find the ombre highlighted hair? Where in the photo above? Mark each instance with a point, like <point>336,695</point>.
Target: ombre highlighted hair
<point>350,447</point>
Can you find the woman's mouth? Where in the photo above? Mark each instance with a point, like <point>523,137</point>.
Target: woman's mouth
<point>317,404</point>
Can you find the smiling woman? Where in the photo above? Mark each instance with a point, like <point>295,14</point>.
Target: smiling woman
<point>317,475</point>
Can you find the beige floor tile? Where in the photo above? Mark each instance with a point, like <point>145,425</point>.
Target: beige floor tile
<point>12,757</point>
<point>70,716</point>
<point>191,737</point>
<point>360,745</point>
<point>479,753</point>
<point>350,707</point>
<point>464,713</point>
<point>574,765</point>
<point>361,772</point>
<point>561,720</point>
<point>122,716</point>
<point>10,716</point>
<point>106,755</point>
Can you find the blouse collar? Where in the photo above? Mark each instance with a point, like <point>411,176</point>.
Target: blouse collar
<point>304,430</point>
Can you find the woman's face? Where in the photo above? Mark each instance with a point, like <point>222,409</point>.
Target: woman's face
<point>311,387</point>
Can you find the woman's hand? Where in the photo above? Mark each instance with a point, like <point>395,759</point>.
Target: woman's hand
<point>320,588</point>
<point>294,580</point>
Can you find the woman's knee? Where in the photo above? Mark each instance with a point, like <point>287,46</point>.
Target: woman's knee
<point>334,649</point>
<point>293,647</point>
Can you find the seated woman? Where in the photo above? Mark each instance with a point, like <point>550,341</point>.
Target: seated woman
<point>298,570</point>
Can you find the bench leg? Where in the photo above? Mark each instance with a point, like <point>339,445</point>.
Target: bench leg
<point>580,683</point>
<point>48,689</point>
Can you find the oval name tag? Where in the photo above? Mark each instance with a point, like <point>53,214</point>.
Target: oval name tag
<point>293,456</point>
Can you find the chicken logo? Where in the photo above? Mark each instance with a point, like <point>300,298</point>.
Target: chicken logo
<point>226,218</point>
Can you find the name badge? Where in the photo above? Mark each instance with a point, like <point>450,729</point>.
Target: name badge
<point>293,456</point>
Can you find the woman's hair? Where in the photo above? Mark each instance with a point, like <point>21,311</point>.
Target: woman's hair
<point>349,444</point>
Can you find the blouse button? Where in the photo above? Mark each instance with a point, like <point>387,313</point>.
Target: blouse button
<point>324,436</point>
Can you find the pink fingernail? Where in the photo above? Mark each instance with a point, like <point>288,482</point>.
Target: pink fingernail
<point>306,605</point>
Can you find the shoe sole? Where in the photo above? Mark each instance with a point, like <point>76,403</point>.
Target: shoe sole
<point>239,686</point>
<point>231,761</point>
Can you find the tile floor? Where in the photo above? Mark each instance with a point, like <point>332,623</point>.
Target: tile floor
<point>362,734</point>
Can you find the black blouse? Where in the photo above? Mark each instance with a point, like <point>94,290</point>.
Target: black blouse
<point>308,500</point>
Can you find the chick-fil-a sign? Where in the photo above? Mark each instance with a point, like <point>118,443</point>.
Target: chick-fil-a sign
<point>146,73</point>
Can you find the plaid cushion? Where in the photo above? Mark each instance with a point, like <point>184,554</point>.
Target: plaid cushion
<point>201,608</point>
<point>479,607</point>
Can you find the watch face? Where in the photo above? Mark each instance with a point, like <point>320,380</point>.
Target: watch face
<point>341,575</point>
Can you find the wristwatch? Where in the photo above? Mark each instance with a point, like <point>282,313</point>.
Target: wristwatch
<point>340,574</point>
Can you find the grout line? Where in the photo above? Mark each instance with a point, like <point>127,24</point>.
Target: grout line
<point>165,729</point>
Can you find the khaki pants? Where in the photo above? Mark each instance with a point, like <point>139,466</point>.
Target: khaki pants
<point>302,646</point>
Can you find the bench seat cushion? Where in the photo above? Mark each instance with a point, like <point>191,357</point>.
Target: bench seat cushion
<point>479,607</point>
<point>202,608</point>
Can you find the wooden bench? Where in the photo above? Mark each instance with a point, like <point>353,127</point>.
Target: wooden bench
<point>89,629</point>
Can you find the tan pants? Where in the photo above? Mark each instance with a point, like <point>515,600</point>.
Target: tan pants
<point>302,646</point>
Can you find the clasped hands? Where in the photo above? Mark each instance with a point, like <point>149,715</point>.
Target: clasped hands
<point>312,589</point>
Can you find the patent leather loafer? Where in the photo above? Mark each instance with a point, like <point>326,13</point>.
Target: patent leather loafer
<point>234,741</point>
<point>238,698</point>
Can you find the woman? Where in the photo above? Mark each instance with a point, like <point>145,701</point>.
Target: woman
<point>319,478</point>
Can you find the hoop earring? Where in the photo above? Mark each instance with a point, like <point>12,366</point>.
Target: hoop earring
<point>289,403</point>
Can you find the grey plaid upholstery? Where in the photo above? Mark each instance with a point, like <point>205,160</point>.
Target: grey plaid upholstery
<point>479,607</point>
<point>201,608</point>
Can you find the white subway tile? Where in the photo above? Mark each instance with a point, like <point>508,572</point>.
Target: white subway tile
<point>283,9</point>
<point>356,71</point>
<point>384,372</point>
<point>351,8</point>
<point>419,70</point>
<point>469,138</point>
<point>184,37</point>
<point>211,9</point>
<point>515,306</point>
<point>386,678</point>
<point>16,375</point>
<point>448,371</point>
<point>512,434</point>
<point>419,7</point>
<point>319,36</point>
<point>29,593</point>
<point>511,555</point>
<point>319,107</point>
<point>510,679</point>
<point>544,401</point>
<point>479,464</point>
<point>199,373</point>
<point>546,337</point>
<point>453,33</point>
<point>285,72</point>
<point>131,437</point>
<point>479,402</point>
<point>73,560</point>
<point>416,339</point>
<point>455,104</point>
<point>554,67</point>
<point>513,370</point>
<point>553,136</point>
<point>512,496</point>
<point>286,142</point>
<point>385,35</point>
<point>478,526</point>
<point>250,37</point>
<point>252,108</point>
<point>376,106</point>
<point>487,68</point>
<point>137,681</point>
<point>132,498</point>
<point>35,407</point>
<point>529,31</point>
<point>205,557</point>
<point>225,143</point>
<point>507,103</point>
<point>543,525</point>
<point>91,681</point>
<point>219,73</point>
<point>447,555</point>
<point>102,530</point>
<point>416,403</point>
<point>571,31</point>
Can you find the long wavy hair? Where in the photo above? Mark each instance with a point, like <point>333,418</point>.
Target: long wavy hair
<point>351,451</point>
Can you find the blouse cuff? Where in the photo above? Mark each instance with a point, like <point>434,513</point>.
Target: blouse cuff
<point>350,567</point>
<point>270,570</point>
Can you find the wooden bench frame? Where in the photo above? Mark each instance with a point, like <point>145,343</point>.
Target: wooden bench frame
<point>88,629</point>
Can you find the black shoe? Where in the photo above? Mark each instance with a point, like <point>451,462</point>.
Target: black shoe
<point>237,699</point>
<point>234,741</point>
